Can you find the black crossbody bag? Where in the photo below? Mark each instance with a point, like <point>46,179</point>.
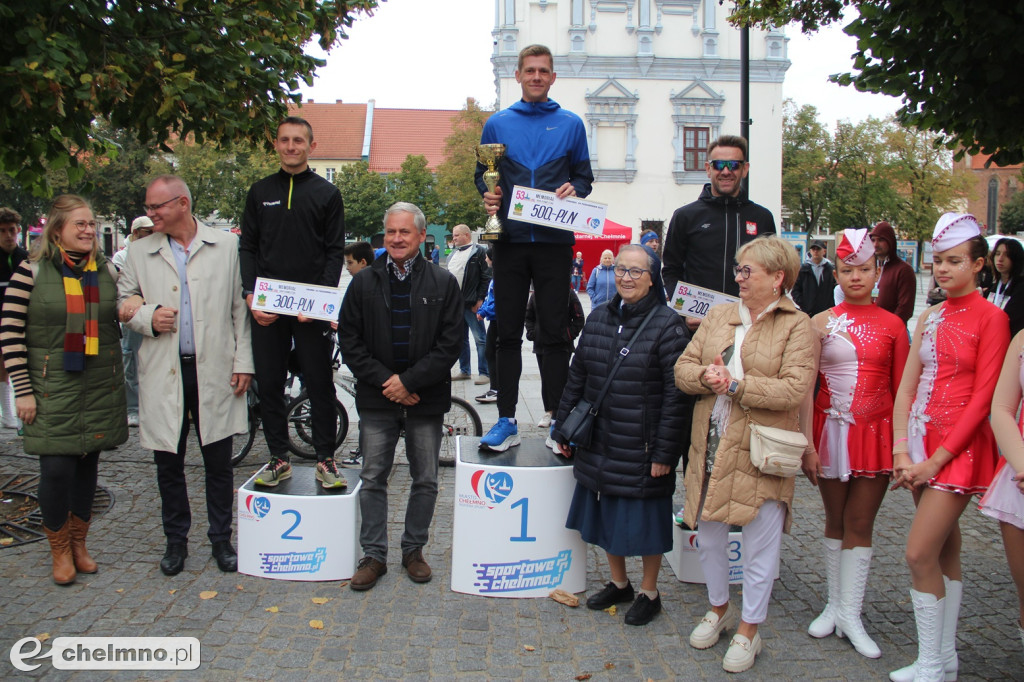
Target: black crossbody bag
<point>577,427</point>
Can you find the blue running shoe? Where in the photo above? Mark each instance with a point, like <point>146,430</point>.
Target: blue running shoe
<point>501,437</point>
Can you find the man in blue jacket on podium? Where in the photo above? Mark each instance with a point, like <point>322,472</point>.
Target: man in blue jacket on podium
<point>400,332</point>
<point>546,149</point>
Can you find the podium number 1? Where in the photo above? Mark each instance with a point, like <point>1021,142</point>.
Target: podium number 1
<point>524,520</point>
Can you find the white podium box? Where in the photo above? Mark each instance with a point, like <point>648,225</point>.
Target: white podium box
<point>685,561</point>
<point>297,530</point>
<point>509,537</point>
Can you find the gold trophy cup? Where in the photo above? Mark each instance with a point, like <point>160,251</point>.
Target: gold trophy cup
<point>490,155</point>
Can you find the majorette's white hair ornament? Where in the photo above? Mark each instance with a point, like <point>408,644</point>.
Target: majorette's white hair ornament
<point>953,229</point>
<point>855,247</point>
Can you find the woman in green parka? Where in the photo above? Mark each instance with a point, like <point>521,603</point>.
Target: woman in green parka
<point>61,347</point>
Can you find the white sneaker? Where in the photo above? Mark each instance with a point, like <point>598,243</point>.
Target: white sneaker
<point>545,421</point>
<point>708,630</point>
<point>133,420</point>
<point>741,654</point>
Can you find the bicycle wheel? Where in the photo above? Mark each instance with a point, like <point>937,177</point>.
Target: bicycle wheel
<point>253,411</point>
<point>461,420</point>
<point>300,427</point>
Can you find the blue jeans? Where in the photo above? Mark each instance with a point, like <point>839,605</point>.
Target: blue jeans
<point>378,435</point>
<point>130,344</point>
<point>480,336</point>
<point>576,281</point>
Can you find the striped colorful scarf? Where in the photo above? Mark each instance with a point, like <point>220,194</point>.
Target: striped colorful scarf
<point>82,294</point>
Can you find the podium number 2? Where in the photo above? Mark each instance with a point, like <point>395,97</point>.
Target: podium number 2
<point>523,522</point>
<point>287,535</point>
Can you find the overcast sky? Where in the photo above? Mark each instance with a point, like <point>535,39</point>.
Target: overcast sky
<point>432,55</point>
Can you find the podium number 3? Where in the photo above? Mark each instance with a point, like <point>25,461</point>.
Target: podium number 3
<point>287,535</point>
<point>524,520</point>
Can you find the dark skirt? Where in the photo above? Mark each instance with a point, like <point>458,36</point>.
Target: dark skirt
<point>622,526</point>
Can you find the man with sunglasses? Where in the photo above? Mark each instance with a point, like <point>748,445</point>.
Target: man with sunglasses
<point>703,236</point>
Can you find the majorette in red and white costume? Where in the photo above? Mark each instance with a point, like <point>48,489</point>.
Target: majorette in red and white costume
<point>963,343</point>
<point>863,351</point>
<point>1004,501</point>
<point>862,359</point>
<point>1005,497</point>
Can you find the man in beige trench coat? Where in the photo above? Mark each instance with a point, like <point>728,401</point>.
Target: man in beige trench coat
<point>181,288</point>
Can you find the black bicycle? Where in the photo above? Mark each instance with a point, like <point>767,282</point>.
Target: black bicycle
<point>461,420</point>
<point>252,400</point>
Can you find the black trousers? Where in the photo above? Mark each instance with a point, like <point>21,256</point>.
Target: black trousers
<point>271,346</point>
<point>551,395</point>
<point>170,475</point>
<point>67,483</point>
<point>548,267</point>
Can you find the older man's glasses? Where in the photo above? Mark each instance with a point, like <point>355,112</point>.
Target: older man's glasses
<point>743,272</point>
<point>721,165</point>
<point>153,208</point>
<point>633,273</point>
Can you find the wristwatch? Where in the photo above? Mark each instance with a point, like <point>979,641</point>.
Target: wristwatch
<point>733,387</point>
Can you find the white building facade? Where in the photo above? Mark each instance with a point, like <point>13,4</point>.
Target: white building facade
<point>654,81</point>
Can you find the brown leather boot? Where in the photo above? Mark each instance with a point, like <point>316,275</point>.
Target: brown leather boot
<point>60,548</point>
<point>79,529</point>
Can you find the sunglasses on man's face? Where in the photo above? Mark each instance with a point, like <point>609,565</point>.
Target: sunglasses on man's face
<point>721,165</point>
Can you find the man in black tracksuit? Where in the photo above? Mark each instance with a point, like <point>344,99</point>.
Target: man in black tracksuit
<point>400,332</point>
<point>703,236</point>
<point>293,229</point>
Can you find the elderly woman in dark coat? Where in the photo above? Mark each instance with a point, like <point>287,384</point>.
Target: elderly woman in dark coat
<point>625,477</point>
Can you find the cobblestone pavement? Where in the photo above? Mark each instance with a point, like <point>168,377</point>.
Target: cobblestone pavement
<point>401,630</point>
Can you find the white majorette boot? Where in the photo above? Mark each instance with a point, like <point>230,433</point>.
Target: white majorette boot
<point>10,412</point>
<point>825,624</point>
<point>951,614</point>
<point>854,565</point>
<point>928,613</point>
<point>948,655</point>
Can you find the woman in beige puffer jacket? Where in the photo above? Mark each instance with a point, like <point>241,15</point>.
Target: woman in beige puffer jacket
<point>773,378</point>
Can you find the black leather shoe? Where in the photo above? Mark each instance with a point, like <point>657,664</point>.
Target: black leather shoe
<point>610,595</point>
<point>643,610</point>
<point>174,559</point>
<point>227,558</point>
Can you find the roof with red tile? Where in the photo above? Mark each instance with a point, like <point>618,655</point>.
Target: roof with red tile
<point>397,133</point>
<point>337,128</point>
